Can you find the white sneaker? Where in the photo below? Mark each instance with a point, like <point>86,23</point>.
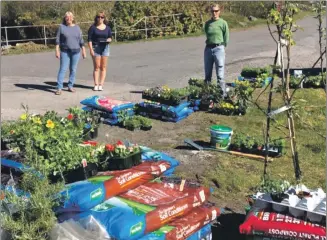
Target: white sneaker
<point>96,88</point>
<point>100,88</point>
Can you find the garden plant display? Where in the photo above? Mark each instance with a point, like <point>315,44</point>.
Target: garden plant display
<point>313,81</point>
<point>275,187</point>
<point>90,119</point>
<point>249,144</point>
<point>120,156</point>
<point>48,142</point>
<point>249,72</point>
<point>30,216</point>
<point>138,122</point>
<point>165,95</point>
<point>237,100</point>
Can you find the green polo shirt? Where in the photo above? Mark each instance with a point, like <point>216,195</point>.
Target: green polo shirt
<point>216,31</point>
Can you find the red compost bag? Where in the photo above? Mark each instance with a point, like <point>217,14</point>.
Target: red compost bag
<point>171,200</point>
<point>277,225</point>
<point>193,222</point>
<point>124,180</point>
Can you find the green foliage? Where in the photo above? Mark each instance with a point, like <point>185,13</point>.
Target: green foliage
<point>136,122</point>
<point>315,81</point>
<point>32,218</point>
<point>283,19</point>
<point>133,123</point>
<point>250,72</point>
<point>83,118</point>
<point>244,141</point>
<point>48,142</point>
<point>164,94</point>
<point>242,93</point>
<point>270,185</point>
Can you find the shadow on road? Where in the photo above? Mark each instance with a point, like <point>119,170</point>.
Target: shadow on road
<point>228,227</point>
<point>66,85</point>
<point>36,87</point>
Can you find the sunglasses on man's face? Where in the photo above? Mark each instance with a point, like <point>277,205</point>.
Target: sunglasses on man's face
<point>215,11</point>
<point>102,17</point>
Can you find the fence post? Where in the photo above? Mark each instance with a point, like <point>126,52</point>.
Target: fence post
<point>45,35</point>
<point>115,30</point>
<point>146,30</point>
<point>174,23</point>
<point>6,36</point>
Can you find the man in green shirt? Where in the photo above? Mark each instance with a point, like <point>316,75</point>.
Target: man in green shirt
<point>217,33</point>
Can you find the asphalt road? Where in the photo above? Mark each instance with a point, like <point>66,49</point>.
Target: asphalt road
<point>30,78</point>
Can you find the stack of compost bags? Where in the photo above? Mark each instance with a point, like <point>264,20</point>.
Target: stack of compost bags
<point>299,214</point>
<point>164,208</point>
<point>165,112</point>
<point>110,109</point>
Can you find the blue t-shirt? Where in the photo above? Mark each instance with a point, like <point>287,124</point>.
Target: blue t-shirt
<point>69,38</point>
<point>97,36</point>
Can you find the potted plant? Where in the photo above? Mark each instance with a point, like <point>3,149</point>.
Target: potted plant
<point>196,82</point>
<point>133,124</point>
<point>250,72</point>
<point>52,143</point>
<point>314,81</point>
<point>238,141</point>
<point>30,217</point>
<point>120,156</point>
<point>276,189</point>
<point>146,123</point>
<point>90,121</point>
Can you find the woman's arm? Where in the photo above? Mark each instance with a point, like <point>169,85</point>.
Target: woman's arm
<point>109,34</point>
<point>81,43</point>
<point>89,39</point>
<point>58,42</point>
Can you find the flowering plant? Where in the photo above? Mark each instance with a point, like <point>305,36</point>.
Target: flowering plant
<point>48,142</point>
<point>86,119</point>
<point>120,150</point>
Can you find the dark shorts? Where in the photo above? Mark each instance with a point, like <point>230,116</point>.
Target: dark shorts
<point>101,50</point>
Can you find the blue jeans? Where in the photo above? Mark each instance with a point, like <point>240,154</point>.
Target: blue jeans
<point>215,55</point>
<point>67,59</point>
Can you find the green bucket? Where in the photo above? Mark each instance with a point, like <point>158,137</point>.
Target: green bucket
<point>221,136</point>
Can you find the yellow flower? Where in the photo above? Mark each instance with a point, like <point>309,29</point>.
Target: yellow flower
<point>37,120</point>
<point>50,124</point>
<point>23,116</point>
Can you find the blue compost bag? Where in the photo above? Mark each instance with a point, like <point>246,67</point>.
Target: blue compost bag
<point>186,113</point>
<point>151,115</point>
<point>163,109</point>
<point>106,104</point>
<point>86,193</point>
<point>121,218</point>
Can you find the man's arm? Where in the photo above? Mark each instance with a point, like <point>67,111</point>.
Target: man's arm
<point>226,34</point>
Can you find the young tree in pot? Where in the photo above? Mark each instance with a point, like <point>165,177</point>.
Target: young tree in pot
<point>282,17</point>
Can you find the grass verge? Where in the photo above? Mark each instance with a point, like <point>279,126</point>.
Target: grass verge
<point>236,176</point>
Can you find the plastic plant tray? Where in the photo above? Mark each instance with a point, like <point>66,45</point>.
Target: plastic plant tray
<point>301,205</point>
